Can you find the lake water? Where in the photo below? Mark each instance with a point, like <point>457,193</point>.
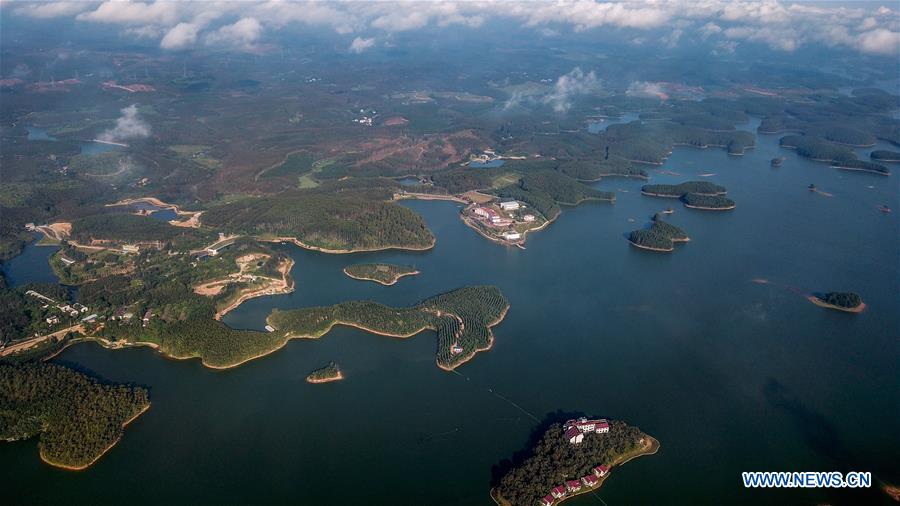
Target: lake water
<point>38,134</point>
<point>595,127</point>
<point>729,375</point>
<point>95,148</point>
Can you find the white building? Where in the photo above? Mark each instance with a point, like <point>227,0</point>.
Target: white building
<point>131,248</point>
<point>528,217</point>
<point>512,236</point>
<point>509,205</point>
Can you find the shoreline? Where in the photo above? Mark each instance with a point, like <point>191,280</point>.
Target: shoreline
<point>428,196</point>
<point>711,208</point>
<point>288,288</point>
<point>821,303</point>
<point>393,282</point>
<point>301,244</point>
<point>470,356</point>
<point>650,248</point>
<point>329,379</point>
<point>855,169</point>
<point>651,448</point>
<point>108,448</point>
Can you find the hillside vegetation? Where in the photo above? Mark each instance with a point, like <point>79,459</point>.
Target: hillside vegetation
<point>77,417</point>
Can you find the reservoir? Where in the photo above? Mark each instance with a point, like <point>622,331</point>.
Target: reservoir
<point>729,375</point>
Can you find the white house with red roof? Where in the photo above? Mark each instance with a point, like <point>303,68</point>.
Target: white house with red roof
<point>546,501</point>
<point>573,485</point>
<point>590,480</point>
<point>558,492</point>
<point>574,435</point>
<point>585,425</point>
<point>601,471</point>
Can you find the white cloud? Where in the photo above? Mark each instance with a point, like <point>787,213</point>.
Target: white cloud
<point>181,36</point>
<point>242,34</point>
<point>360,44</point>
<point>646,89</point>
<point>568,86</point>
<point>879,41</point>
<point>780,24</point>
<point>128,126</point>
<point>43,10</point>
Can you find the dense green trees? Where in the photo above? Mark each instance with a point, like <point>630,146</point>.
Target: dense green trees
<point>338,218</point>
<point>130,228</point>
<point>553,460</point>
<point>462,318</point>
<point>77,417</point>
<point>884,155</point>
<point>863,166</point>
<point>561,188</point>
<point>817,148</point>
<point>661,236</point>
<point>330,372</point>
<point>848,300</point>
<point>677,190</point>
<point>386,274</point>
<point>703,201</point>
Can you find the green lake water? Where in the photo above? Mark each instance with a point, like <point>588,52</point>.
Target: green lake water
<point>728,374</point>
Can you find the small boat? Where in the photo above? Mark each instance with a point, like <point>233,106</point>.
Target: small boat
<point>884,208</point>
<point>811,187</point>
<point>668,210</point>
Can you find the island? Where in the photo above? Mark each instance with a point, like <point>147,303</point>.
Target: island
<point>707,202</point>
<point>884,155</point>
<point>386,274</point>
<point>862,166</point>
<point>570,458</point>
<point>842,301</point>
<point>678,190</point>
<point>461,318</point>
<point>661,236</point>
<point>77,418</point>
<point>327,374</point>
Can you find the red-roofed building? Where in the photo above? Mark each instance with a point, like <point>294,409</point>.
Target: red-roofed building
<point>590,480</point>
<point>601,470</point>
<point>546,501</point>
<point>585,425</point>
<point>574,435</point>
<point>558,492</point>
<point>573,485</point>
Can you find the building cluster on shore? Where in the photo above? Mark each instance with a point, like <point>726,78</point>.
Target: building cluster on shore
<point>590,480</point>
<point>574,432</point>
<point>493,218</point>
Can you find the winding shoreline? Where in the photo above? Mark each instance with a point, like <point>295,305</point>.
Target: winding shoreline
<point>651,448</point>
<point>101,454</point>
<point>301,244</point>
<point>397,277</point>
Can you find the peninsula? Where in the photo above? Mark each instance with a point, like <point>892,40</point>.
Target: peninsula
<point>76,417</point>
<point>386,274</point>
<point>462,320</point>
<point>570,459</point>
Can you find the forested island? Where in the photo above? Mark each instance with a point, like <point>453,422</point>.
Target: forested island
<point>707,202</point>
<point>883,155</point>
<point>327,374</point>
<point>386,274</point>
<point>76,417</point>
<point>661,236</point>
<point>842,301</point>
<point>461,318</point>
<point>862,166</point>
<point>555,469</point>
<point>678,190</point>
